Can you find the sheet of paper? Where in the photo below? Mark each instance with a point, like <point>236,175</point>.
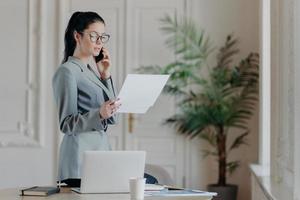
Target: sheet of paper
<point>180,193</point>
<point>140,91</point>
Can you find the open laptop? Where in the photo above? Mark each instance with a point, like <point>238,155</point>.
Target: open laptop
<point>109,171</point>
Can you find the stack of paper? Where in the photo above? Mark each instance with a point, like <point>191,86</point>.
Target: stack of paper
<point>182,193</point>
<point>153,187</point>
<point>140,91</point>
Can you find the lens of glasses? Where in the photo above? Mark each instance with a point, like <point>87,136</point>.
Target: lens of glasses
<point>104,38</point>
<point>94,37</point>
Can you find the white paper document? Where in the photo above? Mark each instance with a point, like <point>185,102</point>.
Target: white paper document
<point>140,91</point>
<point>180,193</point>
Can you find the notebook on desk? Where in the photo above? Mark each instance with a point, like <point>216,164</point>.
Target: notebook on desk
<point>39,191</point>
<point>109,171</point>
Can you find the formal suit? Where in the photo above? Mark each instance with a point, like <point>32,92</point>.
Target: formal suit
<point>79,94</point>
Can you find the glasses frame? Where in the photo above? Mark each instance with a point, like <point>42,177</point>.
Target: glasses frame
<point>98,37</point>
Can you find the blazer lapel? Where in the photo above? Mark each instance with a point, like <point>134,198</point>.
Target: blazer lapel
<point>94,79</point>
<point>91,76</point>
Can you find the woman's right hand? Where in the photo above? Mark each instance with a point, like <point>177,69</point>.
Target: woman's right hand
<point>109,108</point>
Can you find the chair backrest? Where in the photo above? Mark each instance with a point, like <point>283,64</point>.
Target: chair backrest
<point>162,175</point>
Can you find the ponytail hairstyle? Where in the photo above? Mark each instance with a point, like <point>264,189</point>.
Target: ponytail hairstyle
<point>79,21</point>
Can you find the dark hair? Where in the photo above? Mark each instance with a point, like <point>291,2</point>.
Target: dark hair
<point>78,22</point>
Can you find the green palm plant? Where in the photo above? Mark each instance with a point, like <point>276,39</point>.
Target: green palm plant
<point>212,100</point>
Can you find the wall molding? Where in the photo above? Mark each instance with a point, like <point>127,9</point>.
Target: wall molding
<point>30,133</point>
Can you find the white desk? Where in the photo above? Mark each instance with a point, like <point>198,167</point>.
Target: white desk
<point>14,194</point>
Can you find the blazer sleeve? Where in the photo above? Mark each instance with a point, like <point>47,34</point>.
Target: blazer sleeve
<point>110,86</point>
<point>65,94</point>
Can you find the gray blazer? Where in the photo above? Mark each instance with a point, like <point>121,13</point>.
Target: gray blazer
<point>79,94</point>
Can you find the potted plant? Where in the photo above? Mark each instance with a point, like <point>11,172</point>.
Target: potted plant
<point>212,101</point>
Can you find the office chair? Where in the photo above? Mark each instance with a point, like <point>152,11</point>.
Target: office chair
<point>157,174</point>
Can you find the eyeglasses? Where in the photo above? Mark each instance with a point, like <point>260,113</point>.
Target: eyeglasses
<point>96,38</point>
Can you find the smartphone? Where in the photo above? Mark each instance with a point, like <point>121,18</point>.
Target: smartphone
<point>100,56</point>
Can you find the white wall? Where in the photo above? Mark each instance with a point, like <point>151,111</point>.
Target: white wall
<point>285,168</point>
<point>282,134</point>
<point>296,191</point>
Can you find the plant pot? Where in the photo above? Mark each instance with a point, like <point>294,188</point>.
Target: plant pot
<point>228,192</point>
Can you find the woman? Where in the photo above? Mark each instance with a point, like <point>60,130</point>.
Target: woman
<point>84,94</point>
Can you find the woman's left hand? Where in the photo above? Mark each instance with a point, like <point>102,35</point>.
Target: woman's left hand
<point>104,64</point>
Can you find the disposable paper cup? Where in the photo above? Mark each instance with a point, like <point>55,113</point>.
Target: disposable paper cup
<point>137,188</point>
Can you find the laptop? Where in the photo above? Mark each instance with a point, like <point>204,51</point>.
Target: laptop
<point>110,171</point>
